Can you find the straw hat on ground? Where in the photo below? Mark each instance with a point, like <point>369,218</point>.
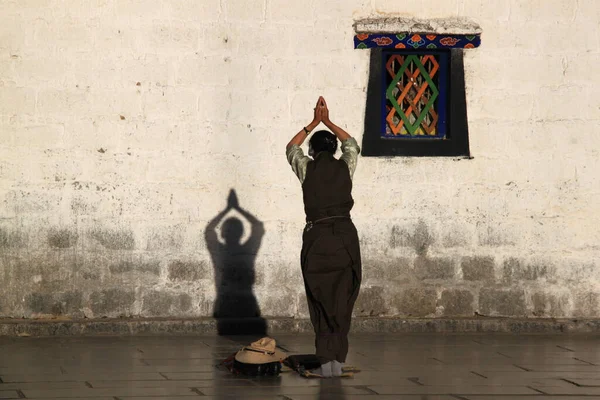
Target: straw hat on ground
<point>263,351</point>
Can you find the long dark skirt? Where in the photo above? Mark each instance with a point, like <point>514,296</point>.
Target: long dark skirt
<point>331,267</point>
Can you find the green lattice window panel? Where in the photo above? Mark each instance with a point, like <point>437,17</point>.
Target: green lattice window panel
<point>414,107</point>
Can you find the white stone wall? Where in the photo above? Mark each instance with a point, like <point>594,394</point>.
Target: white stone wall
<point>124,124</point>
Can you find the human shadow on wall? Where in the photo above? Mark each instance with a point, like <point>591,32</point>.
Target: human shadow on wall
<point>236,308</point>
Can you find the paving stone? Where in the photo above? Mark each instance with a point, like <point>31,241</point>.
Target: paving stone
<point>119,392</point>
<point>285,390</point>
<point>452,389</point>
<point>84,377</point>
<point>582,391</point>
<point>371,397</point>
<point>87,398</point>
<point>541,397</point>
<point>171,384</point>
<point>555,367</point>
<point>586,382</point>
<point>201,397</point>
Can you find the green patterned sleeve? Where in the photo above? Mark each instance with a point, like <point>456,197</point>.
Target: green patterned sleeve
<point>350,152</point>
<point>298,161</point>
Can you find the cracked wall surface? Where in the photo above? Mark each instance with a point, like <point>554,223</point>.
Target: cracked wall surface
<point>125,124</point>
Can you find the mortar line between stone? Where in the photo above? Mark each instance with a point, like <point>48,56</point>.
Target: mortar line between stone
<point>416,381</point>
<point>478,374</point>
<point>164,376</point>
<point>537,390</point>
<point>565,348</point>
<point>587,362</point>
<point>571,382</point>
<point>366,389</point>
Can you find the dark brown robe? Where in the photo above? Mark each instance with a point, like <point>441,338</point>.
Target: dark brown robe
<point>331,264</point>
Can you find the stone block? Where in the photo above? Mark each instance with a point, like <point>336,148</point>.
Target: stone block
<point>12,238</point>
<point>45,136</point>
<point>587,304</point>
<point>577,102</point>
<point>191,10</point>
<point>172,37</point>
<point>457,303</point>
<point>397,269</point>
<point>56,304</point>
<point>502,302</point>
<point>40,303</point>
<point>62,238</point>
<point>245,106</point>
<point>121,267</point>
<point>517,270</point>
<point>214,105</point>
<point>283,11</point>
<point>371,302</point>
<point>113,239</point>
<point>478,268</point>
<point>194,71</point>
<point>488,107</point>
<point>547,304</point>
<point>122,102</point>
<point>244,11</point>
<point>434,268</point>
<point>149,267</point>
<point>16,100</point>
<point>266,42</point>
<point>416,302</point>
<point>485,11</point>
<point>56,102</point>
<point>12,35</point>
<point>135,265</point>
<point>457,235</point>
<point>282,72</point>
<point>420,239</point>
<point>176,102</point>
<point>190,271</point>
<point>165,238</point>
<point>277,273</point>
<point>271,305</point>
<point>302,310</point>
<point>149,71</point>
<point>498,234</point>
<point>111,302</point>
<point>163,304</point>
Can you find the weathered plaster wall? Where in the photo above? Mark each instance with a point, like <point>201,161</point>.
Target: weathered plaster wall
<point>125,124</point>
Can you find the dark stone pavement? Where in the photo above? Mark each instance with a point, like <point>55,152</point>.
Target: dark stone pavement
<point>416,367</point>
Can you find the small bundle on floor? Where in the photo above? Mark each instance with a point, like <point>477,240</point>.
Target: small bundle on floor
<point>260,358</point>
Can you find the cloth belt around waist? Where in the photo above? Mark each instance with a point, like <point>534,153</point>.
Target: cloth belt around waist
<point>310,224</point>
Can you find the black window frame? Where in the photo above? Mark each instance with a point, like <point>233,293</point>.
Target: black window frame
<point>456,143</point>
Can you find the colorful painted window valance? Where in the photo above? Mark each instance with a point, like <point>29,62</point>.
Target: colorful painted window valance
<point>411,33</point>
<point>415,41</point>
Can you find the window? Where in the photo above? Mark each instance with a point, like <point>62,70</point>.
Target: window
<point>416,103</point>
<point>415,98</point>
